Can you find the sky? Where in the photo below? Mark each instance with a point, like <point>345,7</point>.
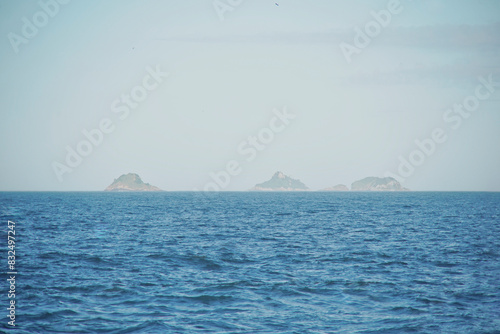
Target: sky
<point>204,94</point>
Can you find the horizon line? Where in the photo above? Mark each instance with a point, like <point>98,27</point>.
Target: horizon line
<point>249,191</point>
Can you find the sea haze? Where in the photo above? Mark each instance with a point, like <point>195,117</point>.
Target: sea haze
<point>248,262</point>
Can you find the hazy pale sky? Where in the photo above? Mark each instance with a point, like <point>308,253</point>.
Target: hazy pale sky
<point>371,88</point>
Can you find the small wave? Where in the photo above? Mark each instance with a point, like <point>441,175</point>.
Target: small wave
<point>422,282</point>
<point>392,263</point>
<point>431,301</point>
<point>209,299</point>
<point>150,326</point>
<point>53,255</point>
<point>81,289</point>
<point>201,262</point>
<point>45,316</point>
<point>407,310</point>
<point>442,264</point>
<point>355,292</point>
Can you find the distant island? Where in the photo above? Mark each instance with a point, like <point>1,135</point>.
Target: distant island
<point>377,184</point>
<point>130,182</point>
<point>280,182</point>
<point>338,187</point>
<point>371,184</point>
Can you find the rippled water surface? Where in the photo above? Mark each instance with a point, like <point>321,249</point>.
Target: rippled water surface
<point>255,262</point>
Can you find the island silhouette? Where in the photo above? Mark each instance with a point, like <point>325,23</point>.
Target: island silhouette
<point>278,182</point>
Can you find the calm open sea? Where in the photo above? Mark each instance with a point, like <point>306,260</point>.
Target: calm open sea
<point>180,262</point>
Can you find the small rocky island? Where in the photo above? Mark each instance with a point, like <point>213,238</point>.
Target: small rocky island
<point>377,184</point>
<point>338,187</point>
<point>280,182</point>
<point>130,182</point>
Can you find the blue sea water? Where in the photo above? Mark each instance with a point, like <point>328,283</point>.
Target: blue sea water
<point>409,262</point>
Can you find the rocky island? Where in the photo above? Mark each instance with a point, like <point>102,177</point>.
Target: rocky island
<point>338,187</point>
<point>377,184</point>
<point>280,182</point>
<point>130,182</point>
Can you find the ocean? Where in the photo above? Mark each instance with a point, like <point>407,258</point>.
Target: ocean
<point>251,262</point>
